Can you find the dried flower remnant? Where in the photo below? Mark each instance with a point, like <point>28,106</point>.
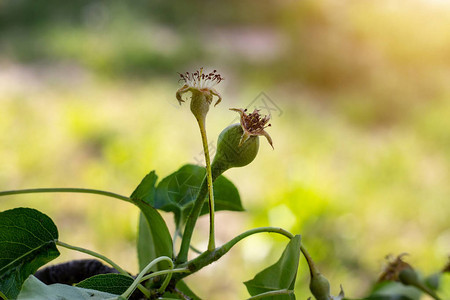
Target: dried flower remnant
<point>200,82</point>
<point>253,124</point>
<point>394,267</point>
<point>400,271</point>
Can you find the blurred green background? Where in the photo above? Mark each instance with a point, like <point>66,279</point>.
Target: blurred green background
<point>360,123</point>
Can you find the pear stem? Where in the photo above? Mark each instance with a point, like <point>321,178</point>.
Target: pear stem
<point>211,242</point>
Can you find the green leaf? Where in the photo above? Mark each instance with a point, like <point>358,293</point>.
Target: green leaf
<point>182,286</point>
<point>279,276</point>
<point>146,189</point>
<point>433,280</point>
<point>388,297</point>
<point>145,245</point>
<point>444,286</point>
<point>2,296</point>
<point>392,290</point>
<point>27,242</point>
<point>108,283</point>
<point>177,192</point>
<point>36,290</point>
<point>154,238</point>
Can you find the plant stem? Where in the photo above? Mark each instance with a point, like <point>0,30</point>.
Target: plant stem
<point>211,241</point>
<point>193,216</point>
<point>179,293</point>
<point>145,291</point>
<point>312,267</point>
<point>138,279</point>
<point>209,257</point>
<point>64,190</point>
<point>3,296</point>
<point>175,235</point>
<point>190,223</point>
<point>271,293</point>
<point>426,290</point>
<point>193,248</point>
<point>163,272</point>
<point>166,280</point>
<point>95,254</point>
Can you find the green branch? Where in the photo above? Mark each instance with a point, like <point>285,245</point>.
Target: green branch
<point>64,190</point>
<point>3,296</point>
<point>209,257</point>
<point>95,254</point>
<point>163,272</point>
<point>193,216</point>
<point>191,221</point>
<point>139,279</point>
<point>211,241</point>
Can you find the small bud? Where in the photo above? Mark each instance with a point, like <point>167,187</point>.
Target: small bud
<point>409,277</point>
<point>230,153</point>
<point>320,287</point>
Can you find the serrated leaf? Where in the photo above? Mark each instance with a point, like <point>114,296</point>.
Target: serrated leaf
<point>36,290</point>
<point>177,192</point>
<point>27,242</point>
<point>109,283</point>
<point>154,238</point>
<point>280,275</point>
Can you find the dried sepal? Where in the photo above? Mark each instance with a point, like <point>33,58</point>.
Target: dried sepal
<point>394,267</point>
<point>253,124</point>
